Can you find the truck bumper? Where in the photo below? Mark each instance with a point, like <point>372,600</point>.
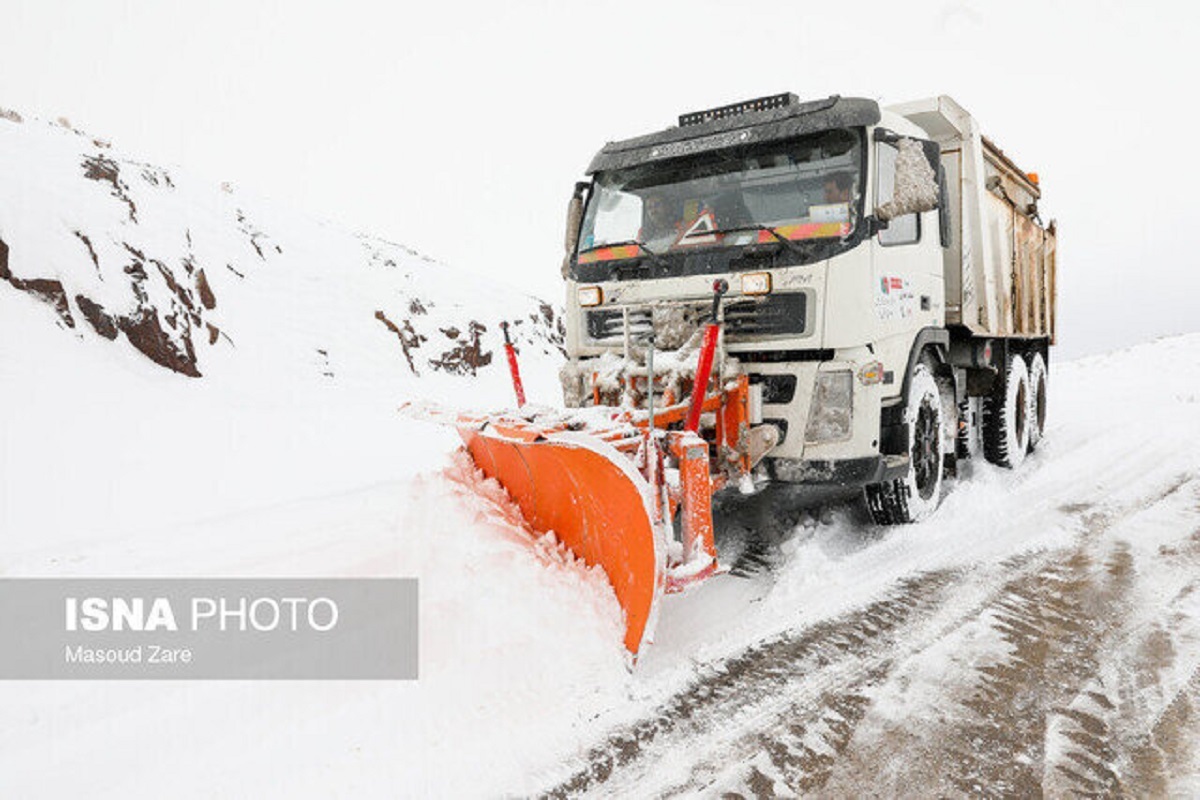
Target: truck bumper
<point>845,473</point>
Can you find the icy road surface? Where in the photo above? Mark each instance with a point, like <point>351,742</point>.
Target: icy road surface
<point>1041,633</point>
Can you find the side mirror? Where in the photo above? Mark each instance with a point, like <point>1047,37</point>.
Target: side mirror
<point>574,220</point>
<point>915,186</point>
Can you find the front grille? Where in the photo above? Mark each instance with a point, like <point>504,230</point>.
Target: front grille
<point>608,324</point>
<point>772,315</point>
<point>782,356</point>
<point>745,318</point>
<point>776,389</point>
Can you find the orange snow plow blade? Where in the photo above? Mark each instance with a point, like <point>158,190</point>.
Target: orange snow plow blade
<point>610,484</point>
<point>611,480</point>
<point>589,494</point>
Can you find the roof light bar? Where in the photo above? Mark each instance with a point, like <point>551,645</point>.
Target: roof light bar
<point>746,106</point>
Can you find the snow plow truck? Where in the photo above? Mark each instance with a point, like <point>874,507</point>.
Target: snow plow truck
<point>826,292</point>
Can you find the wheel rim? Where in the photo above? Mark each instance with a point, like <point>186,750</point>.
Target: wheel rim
<point>926,450</point>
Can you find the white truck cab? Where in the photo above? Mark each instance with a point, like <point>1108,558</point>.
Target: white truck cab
<point>891,286</point>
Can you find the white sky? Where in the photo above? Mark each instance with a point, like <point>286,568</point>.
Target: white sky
<point>459,128</point>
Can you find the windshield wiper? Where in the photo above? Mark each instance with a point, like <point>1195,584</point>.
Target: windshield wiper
<point>654,257</point>
<point>794,248</point>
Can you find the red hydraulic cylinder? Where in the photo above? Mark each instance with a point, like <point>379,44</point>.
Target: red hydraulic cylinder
<point>513,369</point>
<point>704,368</point>
<point>703,371</point>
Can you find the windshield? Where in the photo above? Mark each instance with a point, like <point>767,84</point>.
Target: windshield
<point>806,188</point>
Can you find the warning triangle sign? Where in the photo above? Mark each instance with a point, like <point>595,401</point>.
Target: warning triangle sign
<point>702,231</point>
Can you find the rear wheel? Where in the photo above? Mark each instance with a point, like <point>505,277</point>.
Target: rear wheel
<point>917,495</point>
<point>1006,416</point>
<point>966,444</point>
<point>1037,399</point>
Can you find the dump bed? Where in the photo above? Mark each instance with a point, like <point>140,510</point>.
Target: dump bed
<point>1000,266</point>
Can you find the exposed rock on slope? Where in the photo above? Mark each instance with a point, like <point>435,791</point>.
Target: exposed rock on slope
<point>201,278</point>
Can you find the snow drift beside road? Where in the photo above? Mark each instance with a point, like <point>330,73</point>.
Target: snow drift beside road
<point>198,383</point>
<point>113,467</point>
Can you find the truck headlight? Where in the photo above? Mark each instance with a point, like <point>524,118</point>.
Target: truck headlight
<point>832,407</point>
<point>590,296</point>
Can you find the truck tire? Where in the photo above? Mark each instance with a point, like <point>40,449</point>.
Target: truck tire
<point>1006,416</point>
<point>1037,399</point>
<point>917,495</point>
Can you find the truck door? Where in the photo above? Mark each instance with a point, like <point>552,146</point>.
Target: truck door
<point>906,259</point>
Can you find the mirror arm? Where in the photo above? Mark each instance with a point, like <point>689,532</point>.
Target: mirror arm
<point>874,224</point>
<point>886,136</point>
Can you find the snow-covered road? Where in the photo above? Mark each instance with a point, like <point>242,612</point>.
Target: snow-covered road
<point>1042,631</point>
<point>1070,668</point>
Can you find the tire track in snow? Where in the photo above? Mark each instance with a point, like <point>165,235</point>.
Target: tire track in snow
<point>818,657</point>
<point>819,683</point>
<point>804,751</point>
<point>1165,739</point>
<point>1171,746</point>
<point>1060,625</point>
<point>1091,736</point>
<point>1120,741</point>
<point>1055,621</point>
<point>804,722</point>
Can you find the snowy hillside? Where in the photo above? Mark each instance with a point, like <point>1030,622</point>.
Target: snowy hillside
<point>206,280</point>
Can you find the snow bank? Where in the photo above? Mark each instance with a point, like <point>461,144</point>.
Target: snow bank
<point>115,467</point>
<point>286,457</point>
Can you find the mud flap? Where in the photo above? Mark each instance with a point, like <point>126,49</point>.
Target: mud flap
<point>593,499</point>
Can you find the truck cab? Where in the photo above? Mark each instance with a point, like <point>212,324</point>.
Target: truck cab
<point>861,252</point>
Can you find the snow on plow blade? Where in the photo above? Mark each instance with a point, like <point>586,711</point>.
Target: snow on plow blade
<point>595,502</point>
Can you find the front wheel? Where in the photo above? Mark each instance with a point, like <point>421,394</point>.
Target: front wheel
<point>917,495</point>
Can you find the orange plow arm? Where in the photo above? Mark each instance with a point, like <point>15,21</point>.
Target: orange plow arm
<point>593,499</point>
